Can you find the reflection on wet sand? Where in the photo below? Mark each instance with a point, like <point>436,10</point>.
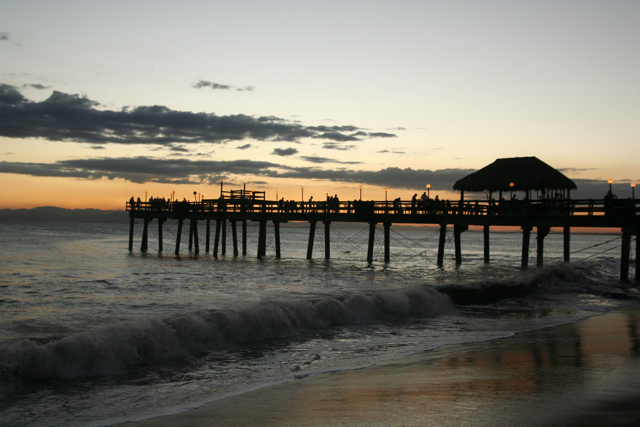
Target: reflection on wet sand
<point>542,377</point>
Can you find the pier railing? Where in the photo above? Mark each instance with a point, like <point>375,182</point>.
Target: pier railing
<point>567,207</point>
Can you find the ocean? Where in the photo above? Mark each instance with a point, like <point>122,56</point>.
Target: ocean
<point>94,335</point>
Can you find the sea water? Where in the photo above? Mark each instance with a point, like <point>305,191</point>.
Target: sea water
<point>94,335</point>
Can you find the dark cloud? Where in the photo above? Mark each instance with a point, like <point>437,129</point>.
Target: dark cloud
<point>185,171</point>
<point>284,151</point>
<point>75,118</point>
<point>205,84</point>
<point>36,86</point>
<point>381,135</point>
<point>144,169</point>
<point>243,147</point>
<point>202,84</point>
<point>97,147</point>
<point>336,146</point>
<point>319,160</point>
<point>4,37</point>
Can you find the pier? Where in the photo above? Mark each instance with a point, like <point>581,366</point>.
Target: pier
<point>546,204</point>
<point>239,207</point>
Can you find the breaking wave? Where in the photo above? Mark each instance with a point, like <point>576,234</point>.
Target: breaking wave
<point>116,348</point>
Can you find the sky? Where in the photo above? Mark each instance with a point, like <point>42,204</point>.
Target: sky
<point>104,100</point>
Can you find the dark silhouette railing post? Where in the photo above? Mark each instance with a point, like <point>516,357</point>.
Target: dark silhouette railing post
<point>526,236</point>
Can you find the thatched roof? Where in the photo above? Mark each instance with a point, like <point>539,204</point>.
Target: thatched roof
<point>526,173</point>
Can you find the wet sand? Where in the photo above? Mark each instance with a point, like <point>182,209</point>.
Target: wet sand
<point>584,374</point>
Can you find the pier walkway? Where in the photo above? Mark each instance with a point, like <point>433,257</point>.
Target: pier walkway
<point>241,206</point>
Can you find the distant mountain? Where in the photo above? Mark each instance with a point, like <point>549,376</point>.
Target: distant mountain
<point>53,214</point>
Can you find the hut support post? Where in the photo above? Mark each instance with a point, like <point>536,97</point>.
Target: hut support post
<point>567,243</point>
<point>526,236</point>
<point>624,259</point>
<point>179,236</point>
<point>131,222</point>
<point>234,233</point>
<point>190,235</point>
<point>443,237</point>
<point>458,229</point>
<point>372,237</point>
<point>486,244</point>
<point>327,239</point>
<point>542,233</point>
<point>276,231</point>
<point>312,235</point>
<point>387,243</point>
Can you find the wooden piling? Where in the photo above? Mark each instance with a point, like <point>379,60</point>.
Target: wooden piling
<point>216,239</point>
<point>244,237</point>
<point>441,242</point>
<point>567,243</point>
<point>486,244</point>
<point>194,232</point>
<point>372,236</point>
<point>179,235</point>
<point>312,234</point>
<point>234,233</point>
<point>387,243</point>
<point>327,239</point>
<point>526,237</point>
<point>145,234</point>
<point>458,229</point>
<point>262,239</point>
<point>208,233</point>
<point>624,257</point>
<point>276,232</point>
<point>542,233</point>
<point>160,243</point>
<point>224,237</point>
<point>131,222</point>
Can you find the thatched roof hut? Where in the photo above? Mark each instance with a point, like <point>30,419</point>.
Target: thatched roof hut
<point>515,174</point>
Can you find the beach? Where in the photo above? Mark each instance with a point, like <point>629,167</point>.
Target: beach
<point>583,374</point>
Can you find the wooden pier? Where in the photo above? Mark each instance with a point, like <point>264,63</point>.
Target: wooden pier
<point>238,207</point>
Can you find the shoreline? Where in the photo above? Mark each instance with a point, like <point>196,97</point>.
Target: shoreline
<point>585,373</point>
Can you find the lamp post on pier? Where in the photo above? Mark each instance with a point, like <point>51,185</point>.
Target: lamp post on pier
<point>385,194</point>
<point>302,199</point>
<point>633,190</point>
<point>361,192</point>
<point>428,188</point>
<point>610,184</point>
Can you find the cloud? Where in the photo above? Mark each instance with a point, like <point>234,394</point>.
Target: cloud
<point>316,159</point>
<point>336,146</point>
<point>243,147</point>
<point>75,118</point>
<point>217,86</point>
<point>284,151</point>
<point>214,86</point>
<point>36,86</point>
<point>5,37</point>
<point>185,171</point>
<point>144,169</point>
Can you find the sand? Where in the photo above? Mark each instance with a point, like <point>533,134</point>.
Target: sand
<point>583,374</point>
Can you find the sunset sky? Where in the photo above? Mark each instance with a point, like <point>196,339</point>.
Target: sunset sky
<point>104,100</point>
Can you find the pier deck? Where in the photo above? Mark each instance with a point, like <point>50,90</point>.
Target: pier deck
<point>620,214</point>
